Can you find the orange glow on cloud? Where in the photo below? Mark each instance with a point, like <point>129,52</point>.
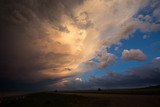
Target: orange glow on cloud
<point>97,24</point>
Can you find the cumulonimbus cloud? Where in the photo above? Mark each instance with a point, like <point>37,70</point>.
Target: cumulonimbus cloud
<point>44,39</point>
<point>133,54</point>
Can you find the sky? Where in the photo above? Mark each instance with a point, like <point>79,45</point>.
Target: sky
<point>79,44</point>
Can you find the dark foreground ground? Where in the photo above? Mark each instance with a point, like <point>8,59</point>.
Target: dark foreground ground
<point>110,98</point>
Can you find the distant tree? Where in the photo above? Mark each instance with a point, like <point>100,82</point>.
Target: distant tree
<point>99,89</point>
<point>55,90</point>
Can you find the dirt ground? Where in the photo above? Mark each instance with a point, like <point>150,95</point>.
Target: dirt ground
<point>52,99</point>
<point>118,100</point>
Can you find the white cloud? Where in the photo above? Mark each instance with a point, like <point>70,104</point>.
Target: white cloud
<point>157,58</point>
<point>146,18</point>
<point>105,59</point>
<point>146,36</point>
<point>116,48</point>
<point>133,54</point>
<point>78,79</point>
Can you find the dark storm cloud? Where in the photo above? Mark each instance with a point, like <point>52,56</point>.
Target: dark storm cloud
<point>27,11</point>
<point>135,77</point>
<point>42,42</point>
<point>21,59</point>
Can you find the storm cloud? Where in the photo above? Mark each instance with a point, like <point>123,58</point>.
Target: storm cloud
<point>26,47</point>
<point>45,42</point>
<point>142,76</point>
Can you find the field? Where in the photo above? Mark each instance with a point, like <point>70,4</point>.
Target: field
<point>106,98</point>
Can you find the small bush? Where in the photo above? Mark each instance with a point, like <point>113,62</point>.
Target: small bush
<point>99,89</point>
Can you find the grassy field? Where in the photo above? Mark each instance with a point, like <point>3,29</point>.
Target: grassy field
<point>122,91</point>
<point>43,99</point>
<point>105,98</point>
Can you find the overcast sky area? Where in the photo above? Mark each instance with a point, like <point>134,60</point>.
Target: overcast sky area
<point>79,44</point>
